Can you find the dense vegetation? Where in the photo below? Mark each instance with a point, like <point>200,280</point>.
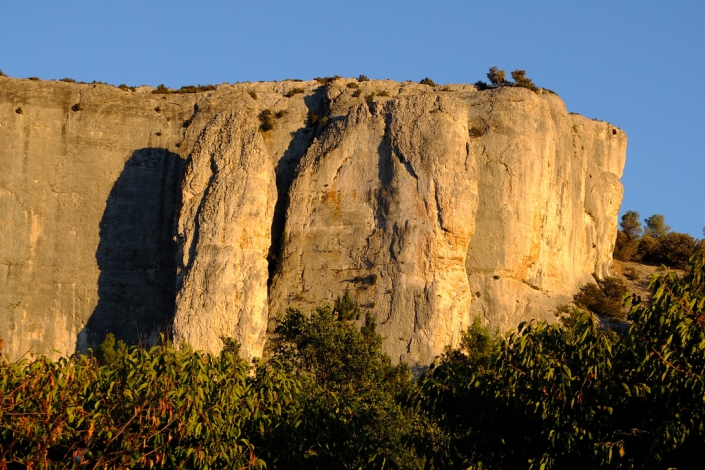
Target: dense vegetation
<point>653,244</point>
<point>545,396</point>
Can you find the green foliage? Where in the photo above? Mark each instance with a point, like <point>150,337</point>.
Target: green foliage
<point>428,81</point>
<point>478,345</point>
<point>647,245</point>
<point>604,298</point>
<point>665,357</point>
<point>658,245</point>
<point>371,97</point>
<point>161,90</point>
<point>627,243</point>
<point>196,89</point>
<point>672,250</point>
<point>230,345</point>
<point>656,226</point>
<point>19,110</point>
<point>555,396</point>
<point>352,85</point>
<point>151,408</point>
<point>496,76</point>
<point>577,397</point>
<point>266,119</point>
<point>350,415</point>
<point>362,78</point>
<point>253,94</point>
<point>346,308</point>
<point>2,74</point>
<point>357,93</point>
<point>107,354</point>
<point>313,118</point>
<point>33,78</point>
<point>124,87</point>
<point>631,227</point>
<point>382,93</point>
<point>67,80</point>
<point>326,80</point>
<point>294,91</point>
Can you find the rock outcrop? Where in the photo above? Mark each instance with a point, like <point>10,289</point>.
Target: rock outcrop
<point>228,198</point>
<point>136,213</point>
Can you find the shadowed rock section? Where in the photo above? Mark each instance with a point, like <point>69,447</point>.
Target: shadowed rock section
<point>136,253</point>
<point>431,205</point>
<point>229,193</point>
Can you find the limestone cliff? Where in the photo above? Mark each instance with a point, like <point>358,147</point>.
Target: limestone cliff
<point>136,213</point>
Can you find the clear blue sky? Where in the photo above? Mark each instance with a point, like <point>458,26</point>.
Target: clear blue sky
<point>638,65</point>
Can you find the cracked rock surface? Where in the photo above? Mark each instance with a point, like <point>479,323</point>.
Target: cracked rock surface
<point>140,214</point>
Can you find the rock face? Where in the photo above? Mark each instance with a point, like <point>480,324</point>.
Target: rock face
<point>137,213</point>
<point>383,205</point>
<point>228,198</point>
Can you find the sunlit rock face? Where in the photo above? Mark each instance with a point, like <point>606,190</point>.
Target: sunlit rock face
<point>140,214</point>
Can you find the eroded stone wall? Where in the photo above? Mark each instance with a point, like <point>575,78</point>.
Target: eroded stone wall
<point>137,213</point>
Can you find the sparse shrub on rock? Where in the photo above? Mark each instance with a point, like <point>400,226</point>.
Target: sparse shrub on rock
<point>603,298</point>
<point>266,119</point>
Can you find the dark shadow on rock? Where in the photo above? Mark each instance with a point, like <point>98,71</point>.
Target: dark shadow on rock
<point>137,252</point>
<point>286,172</point>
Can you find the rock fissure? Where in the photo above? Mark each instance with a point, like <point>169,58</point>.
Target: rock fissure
<point>407,194</point>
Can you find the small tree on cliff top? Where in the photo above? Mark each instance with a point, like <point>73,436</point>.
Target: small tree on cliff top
<point>496,76</point>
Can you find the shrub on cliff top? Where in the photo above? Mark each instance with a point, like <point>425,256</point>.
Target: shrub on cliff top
<point>521,80</point>
<point>294,91</point>
<point>161,90</point>
<point>326,80</point>
<point>496,76</point>
<point>480,85</point>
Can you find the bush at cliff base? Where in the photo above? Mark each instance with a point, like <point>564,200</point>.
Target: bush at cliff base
<point>578,397</point>
<point>546,396</point>
<point>327,399</point>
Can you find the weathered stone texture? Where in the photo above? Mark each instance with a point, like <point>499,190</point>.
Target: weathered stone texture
<point>224,231</point>
<point>430,205</point>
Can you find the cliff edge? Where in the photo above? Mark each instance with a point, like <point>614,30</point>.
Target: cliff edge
<point>199,216</point>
